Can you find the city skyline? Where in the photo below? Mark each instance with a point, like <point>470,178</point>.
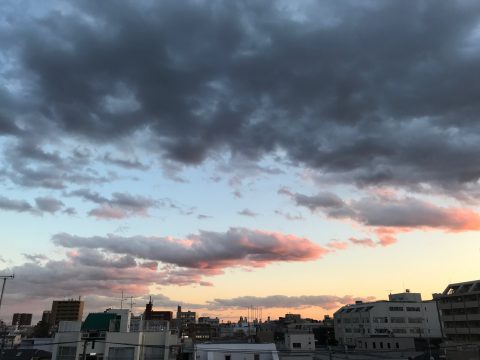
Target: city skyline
<point>294,156</point>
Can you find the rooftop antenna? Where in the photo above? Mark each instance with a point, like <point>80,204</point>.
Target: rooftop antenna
<point>122,299</point>
<point>4,277</point>
<point>133,303</point>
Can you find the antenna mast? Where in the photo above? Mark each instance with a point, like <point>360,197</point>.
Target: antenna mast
<point>4,277</point>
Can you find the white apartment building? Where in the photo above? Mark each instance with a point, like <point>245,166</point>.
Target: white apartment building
<point>404,315</point>
<point>107,336</point>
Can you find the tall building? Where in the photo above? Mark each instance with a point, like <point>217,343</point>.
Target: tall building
<point>391,324</point>
<point>22,319</point>
<point>46,315</point>
<point>66,310</point>
<point>459,306</point>
<point>185,317</point>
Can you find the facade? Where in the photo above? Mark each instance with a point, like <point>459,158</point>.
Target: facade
<point>150,314</point>
<point>209,320</point>
<point>236,352</point>
<point>46,315</point>
<point>185,317</point>
<point>404,315</point>
<point>66,310</point>
<point>22,319</point>
<point>459,307</point>
<point>104,336</point>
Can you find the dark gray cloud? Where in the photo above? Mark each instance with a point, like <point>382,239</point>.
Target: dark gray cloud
<point>14,205</point>
<point>125,162</point>
<point>42,205</point>
<point>49,204</point>
<point>377,93</point>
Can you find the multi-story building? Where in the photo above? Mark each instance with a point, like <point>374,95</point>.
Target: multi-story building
<point>209,320</point>
<point>22,319</point>
<point>46,315</point>
<point>404,315</point>
<point>150,314</point>
<point>107,336</point>
<point>66,310</point>
<point>185,317</point>
<point>459,306</point>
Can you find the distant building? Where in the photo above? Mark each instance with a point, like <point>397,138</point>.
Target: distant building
<point>150,314</point>
<point>22,319</point>
<point>459,307</point>
<point>185,317</point>
<point>46,315</point>
<point>404,315</point>
<point>66,310</point>
<point>209,321</point>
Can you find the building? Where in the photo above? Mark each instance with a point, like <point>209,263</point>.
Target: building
<point>26,354</point>
<point>66,310</point>
<point>404,315</point>
<point>150,314</point>
<point>185,317</point>
<point>22,319</point>
<point>46,315</point>
<point>235,351</point>
<point>105,336</point>
<point>209,320</point>
<point>459,307</point>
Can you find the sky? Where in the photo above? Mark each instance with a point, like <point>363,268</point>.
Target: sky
<point>292,156</point>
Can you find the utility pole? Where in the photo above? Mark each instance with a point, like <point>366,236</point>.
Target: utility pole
<point>4,277</point>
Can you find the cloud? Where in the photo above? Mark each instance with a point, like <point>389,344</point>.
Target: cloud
<point>14,205</point>
<point>48,204</point>
<point>389,215</point>
<point>35,257</point>
<point>328,302</point>
<point>247,212</point>
<point>42,205</point>
<point>119,206</point>
<point>363,242</point>
<point>337,245</point>
<point>271,88</point>
<point>125,163</point>
<point>205,250</point>
<point>289,216</point>
<point>101,266</point>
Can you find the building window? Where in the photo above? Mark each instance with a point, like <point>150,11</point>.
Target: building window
<point>414,308</point>
<point>66,352</point>
<point>121,353</point>
<point>381,344</point>
<point>396,308</point>
<point>397,345</point>
<point>256,357</point>
<point>297,345</point>
<point>374,344</point>
<point>228,357</point>
<point>415,320</point>
<point>388,345</point>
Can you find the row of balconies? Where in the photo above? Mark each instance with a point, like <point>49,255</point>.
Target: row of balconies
<point>461,317</point>
<point>459,330</point>
<point>458,305</point>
